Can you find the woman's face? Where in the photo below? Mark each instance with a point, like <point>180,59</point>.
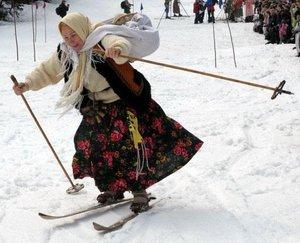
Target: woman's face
<point>71,38</point>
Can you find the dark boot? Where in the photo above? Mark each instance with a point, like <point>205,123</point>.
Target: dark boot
<point>110,197</point>
<point>140,201</point>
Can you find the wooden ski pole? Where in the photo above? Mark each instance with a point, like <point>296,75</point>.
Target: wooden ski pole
<point>277,90</point>
<point>75,188</point>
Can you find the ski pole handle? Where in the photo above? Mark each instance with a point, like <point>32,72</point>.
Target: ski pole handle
<point>19,88</point>
<point>13,78</point>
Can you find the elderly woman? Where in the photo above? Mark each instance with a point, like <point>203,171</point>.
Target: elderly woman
<point>125,140</point>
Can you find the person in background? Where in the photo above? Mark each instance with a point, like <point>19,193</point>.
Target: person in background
<point>63,8</point>
<point>210,5</point>
<point>167,8</point>
<point>295,6</point>
<point>176,8</point>
<point>125,140</point>
<point>283,29</point>
<point>249,10</point>
<point>228,9</point>
<point>237,8</point>
<point>272,27</point>
<point>198,10</point>
<point>125,5</point>
<point>297,32</point>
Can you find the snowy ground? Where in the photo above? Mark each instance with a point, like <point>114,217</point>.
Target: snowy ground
<point>243,186</point>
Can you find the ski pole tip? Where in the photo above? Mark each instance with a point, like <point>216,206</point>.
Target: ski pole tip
<point>279,90</point>
<point>74,189</point>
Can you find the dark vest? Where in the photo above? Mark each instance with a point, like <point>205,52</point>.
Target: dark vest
<point>138,102</point>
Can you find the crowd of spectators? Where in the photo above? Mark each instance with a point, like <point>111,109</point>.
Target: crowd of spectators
<point>276,20</point>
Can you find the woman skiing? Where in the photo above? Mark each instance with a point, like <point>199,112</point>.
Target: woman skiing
<point>125,140</point>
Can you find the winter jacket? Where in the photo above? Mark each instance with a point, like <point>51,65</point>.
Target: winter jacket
<point>196,7</point>
<point>51,72</point>
<point>104,82</point>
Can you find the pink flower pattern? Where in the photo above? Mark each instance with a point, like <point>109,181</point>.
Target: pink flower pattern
<point>85,146</point>
<point>105,151</point>
<point>116,136</point>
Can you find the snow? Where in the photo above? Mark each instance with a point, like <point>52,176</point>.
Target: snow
<point>244,184</point>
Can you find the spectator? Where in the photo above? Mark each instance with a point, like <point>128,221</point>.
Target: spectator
<point>257,6</point>
<point>125,5</point>
<point>198,11</point>
<point>237,8</point>
<point>167,8</point>
<point>228,9</point>
<point>293,10</point>
<point>272,30</point>
<point>258,24</point>
<point>297,32</point>
<point>176,9</point>
<point>283,31</point>
<point>62,9</point>
<point>249,12</point>
<point>210,4</point>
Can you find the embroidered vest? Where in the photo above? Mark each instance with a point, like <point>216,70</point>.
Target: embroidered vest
<point>135,91</point>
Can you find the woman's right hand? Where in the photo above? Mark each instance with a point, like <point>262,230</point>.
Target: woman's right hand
<point>20,88</point>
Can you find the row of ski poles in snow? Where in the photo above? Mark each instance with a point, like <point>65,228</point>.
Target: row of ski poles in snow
<point>231,40</point>
<point>214,36</point>
<point>34,8</point>
<point>77,187</point>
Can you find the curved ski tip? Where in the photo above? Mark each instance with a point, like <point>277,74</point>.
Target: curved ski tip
<point>99,227</point>
<point>46,216</point>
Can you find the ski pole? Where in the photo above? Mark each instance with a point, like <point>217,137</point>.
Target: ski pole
<point>277,90</point>
<point>160,19</point>
<point>214,39</point>
<point>184,10</point>
<point>232,46</point>
<point>75,188</point>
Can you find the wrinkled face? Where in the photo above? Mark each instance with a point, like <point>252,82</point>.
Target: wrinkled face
<point>71,37</point>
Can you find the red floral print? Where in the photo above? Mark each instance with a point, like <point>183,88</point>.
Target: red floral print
<point>116,136</point>
<point>108,156</point>
<point>85,146</point>
<point>105,151</point>
<point>118,185</point>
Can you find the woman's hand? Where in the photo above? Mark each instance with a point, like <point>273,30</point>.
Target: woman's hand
<point>112,52</point>
<point>20,88</point>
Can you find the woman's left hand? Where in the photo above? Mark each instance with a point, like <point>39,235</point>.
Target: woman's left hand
<point>112,52</point>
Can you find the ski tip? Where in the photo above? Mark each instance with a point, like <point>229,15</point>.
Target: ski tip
<point>46,216</point>
<point>100,227</point>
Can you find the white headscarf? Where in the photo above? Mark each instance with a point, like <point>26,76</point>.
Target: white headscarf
<point>138,31</point>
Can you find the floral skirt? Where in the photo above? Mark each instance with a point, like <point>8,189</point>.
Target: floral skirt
<point>105,150</point>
